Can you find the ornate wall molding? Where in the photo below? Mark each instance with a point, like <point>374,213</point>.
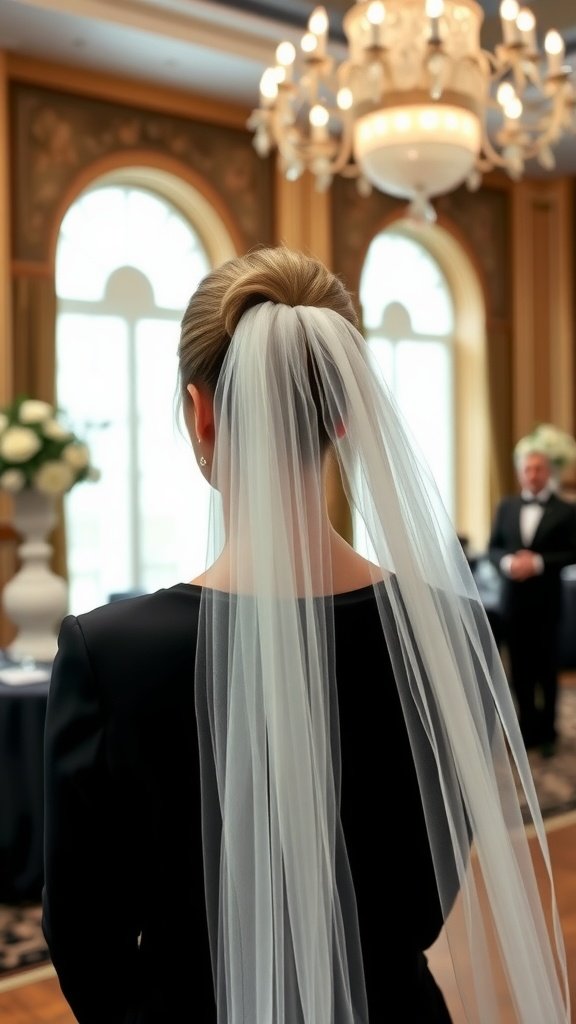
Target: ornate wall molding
<point>481,221</point>
<point>57,136</point>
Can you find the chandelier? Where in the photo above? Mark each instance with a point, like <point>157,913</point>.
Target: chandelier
<point>417,107</point>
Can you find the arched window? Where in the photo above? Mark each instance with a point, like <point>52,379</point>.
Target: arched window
<point>424,312</point>
<point>127,262</point>
<point>408,319</point>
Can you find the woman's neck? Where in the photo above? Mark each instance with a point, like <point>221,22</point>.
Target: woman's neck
<point>333,567</point>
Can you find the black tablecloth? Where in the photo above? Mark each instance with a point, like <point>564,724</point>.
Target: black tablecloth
<point>22,714</point>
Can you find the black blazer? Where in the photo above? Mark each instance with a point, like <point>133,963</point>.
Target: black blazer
<point>554,540</point>
<point>124,905</point>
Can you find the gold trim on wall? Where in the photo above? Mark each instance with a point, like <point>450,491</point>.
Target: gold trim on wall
<point>116,89</point>
<point>8,560</point>
<point>5,227</point>
<point>473,507</point>
<point>303,217</point>
<point>543,334</point>
<point>303,221</point>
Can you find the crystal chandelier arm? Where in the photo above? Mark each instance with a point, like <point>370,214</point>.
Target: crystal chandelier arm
<point>344,152</point>
<point>427,108</point>
<point>522,138</point>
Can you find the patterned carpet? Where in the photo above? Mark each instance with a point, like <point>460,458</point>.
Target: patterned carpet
<point>22,945</point>
<point>555,777</point>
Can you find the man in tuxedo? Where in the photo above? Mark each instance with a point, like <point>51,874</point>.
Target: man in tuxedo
<point>533,538</point>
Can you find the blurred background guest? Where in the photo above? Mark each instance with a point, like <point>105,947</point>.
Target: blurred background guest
<point>533,538</point>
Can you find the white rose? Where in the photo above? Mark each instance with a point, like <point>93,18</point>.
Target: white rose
<point>522,446</point>
<point>54,477</point>
<point>76,455</point>
<point>557,442</point>
<point>19,444</point>
<point>12,480</point>
<point>527,445</point>
<point>557,445</point>
<point>547,432</point>
<point>34,411</point>
<point>567,447</point>
<point>560,450</point>
<point>54,431</point>
<point>4,421</point>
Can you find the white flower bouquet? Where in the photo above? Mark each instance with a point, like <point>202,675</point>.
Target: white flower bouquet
<point>38,451</point>
<point>556,444</point>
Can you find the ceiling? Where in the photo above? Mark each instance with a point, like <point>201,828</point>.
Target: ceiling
<point>217,49</point>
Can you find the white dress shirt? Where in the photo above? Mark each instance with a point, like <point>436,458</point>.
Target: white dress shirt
<point>530,516</point>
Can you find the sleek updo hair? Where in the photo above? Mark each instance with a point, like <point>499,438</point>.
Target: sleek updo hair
<point>277,274</point>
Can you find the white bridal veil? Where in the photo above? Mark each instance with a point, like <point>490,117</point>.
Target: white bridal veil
<point>282,917</point>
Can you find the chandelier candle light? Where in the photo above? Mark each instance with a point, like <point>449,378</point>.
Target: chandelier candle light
<point>418,107</point>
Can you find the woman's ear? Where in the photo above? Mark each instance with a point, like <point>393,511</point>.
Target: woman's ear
<point>203,403</point>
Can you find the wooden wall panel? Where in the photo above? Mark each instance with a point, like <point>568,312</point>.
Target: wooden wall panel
<point>7,543</point>
<point>58,137</point>
<point>543,383</point>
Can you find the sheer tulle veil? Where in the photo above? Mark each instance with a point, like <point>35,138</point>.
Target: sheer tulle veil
<point>281,907</point>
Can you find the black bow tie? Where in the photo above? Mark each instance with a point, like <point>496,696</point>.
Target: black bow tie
<point>535,501</point>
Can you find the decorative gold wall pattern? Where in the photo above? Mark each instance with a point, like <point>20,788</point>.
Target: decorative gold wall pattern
<point>56,136</point>
<point>481,219</point>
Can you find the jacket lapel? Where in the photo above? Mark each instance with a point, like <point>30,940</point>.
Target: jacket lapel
<point>516,509</point>
<point>548,517</point>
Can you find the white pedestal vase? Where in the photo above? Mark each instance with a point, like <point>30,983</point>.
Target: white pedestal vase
<point>35,599</point>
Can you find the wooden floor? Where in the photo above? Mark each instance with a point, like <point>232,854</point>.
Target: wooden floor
<point>41,1001</point>
<point>561,834</point>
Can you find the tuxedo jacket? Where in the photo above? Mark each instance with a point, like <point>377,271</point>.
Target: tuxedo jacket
<point>554,540</point>
<point>125,916</point>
